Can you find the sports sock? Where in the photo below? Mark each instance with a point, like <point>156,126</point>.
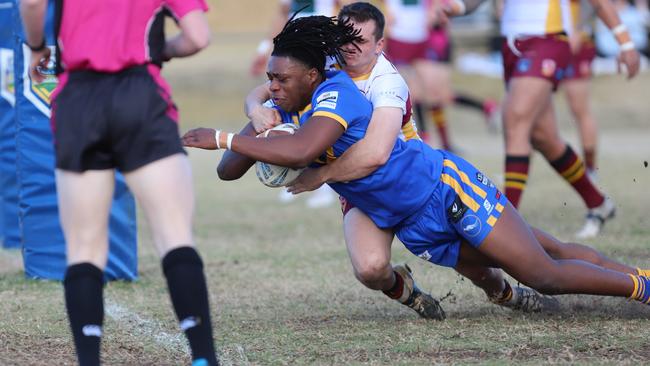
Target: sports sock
<point>516,177</point>
<point>572,169</point>
<point>183,269</point>
<point>420,122</point>
<point>397,291</point>
<point>440,121</point>
<point>641,290</point>
<point>505,296</point>
<point>83,286</point>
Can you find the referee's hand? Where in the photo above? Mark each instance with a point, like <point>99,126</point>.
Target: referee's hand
<point>202,138</point>
<point>39,61</point>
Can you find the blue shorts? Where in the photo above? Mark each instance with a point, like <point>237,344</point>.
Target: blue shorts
<point>465,205</point>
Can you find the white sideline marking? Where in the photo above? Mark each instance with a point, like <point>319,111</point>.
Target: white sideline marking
<point>143,327</point>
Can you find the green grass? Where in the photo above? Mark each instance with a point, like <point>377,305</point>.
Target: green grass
<point>281,286</point>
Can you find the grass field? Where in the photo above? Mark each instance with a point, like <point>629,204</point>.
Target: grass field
<point>281,286</point>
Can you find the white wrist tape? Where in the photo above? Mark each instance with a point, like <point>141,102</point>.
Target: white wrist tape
<point>264,47</point>
<point>627,46</point>
<point>621,28</point>
<point>229,141</point>
<point>217,134</point>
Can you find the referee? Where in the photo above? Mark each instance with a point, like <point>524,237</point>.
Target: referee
<point>113,110</point>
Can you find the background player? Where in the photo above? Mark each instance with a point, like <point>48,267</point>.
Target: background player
<point>535,55</point>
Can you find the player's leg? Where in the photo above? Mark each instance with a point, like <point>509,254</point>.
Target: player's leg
<point>84,201</point>
<point>416,91</point>
<point>577,92</point>
<point>514,247</point>
<point>476,267</point>
<point>546,139</point>
<point>524,102</point>
<point>490,108</point>
<point>164,190</point>
<point>369,249</point>
<point>564,250</point>
<point>435,78</point>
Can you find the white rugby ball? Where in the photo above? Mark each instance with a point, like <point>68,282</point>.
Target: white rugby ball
<point>274,175</point>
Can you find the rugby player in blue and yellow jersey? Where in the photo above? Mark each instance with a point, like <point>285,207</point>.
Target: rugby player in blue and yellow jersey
<point>442,208</point>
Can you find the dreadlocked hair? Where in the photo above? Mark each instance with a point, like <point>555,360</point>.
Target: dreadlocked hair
<point>313,39</point>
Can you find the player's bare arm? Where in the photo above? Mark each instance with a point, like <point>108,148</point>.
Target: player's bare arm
<point>233,165</point>
<point>262,118</point>
<point>362,158</point>
<point>294,151</point>
<point>628,56</point>
<point>33,15</point>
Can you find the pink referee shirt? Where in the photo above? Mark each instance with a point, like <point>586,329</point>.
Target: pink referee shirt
<point>111,35</point>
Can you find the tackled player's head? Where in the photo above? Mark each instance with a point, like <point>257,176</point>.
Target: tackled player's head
<point>300,50</point>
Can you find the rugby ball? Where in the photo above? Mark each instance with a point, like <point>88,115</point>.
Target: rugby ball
<point>274,175</point>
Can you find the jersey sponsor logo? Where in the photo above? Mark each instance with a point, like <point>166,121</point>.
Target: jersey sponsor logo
<point>7,85</point>
<point>471,225</point>
<point>92,330</point>
<point>425,255</point>
<point>523,65</point>
<point>39,94</point>
<point>548,67</point>
<point>456,210</point>
<point>570,71</point>
<point>483,179</point>
<point>327,100</point>
<point>488,206</point>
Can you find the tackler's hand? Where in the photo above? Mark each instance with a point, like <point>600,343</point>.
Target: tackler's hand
<point>309,180</point>
<point>264,118</point>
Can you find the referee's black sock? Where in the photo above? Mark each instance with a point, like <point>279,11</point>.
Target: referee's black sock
<point>83,286</point>
<point>183,269</point>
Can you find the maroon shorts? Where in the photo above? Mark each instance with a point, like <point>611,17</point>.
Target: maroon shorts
<point>403,53</point>
<point>545,57</point>
<point>346,206</point>
<point>580,64</point>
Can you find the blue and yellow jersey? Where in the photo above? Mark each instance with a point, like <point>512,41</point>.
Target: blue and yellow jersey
<point>397,189</point>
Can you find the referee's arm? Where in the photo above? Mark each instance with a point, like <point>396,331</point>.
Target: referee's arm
<point>32,13</point>
<point>194,36</point>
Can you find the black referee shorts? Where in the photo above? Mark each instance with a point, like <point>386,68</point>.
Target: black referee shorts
<point>121,120</point>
